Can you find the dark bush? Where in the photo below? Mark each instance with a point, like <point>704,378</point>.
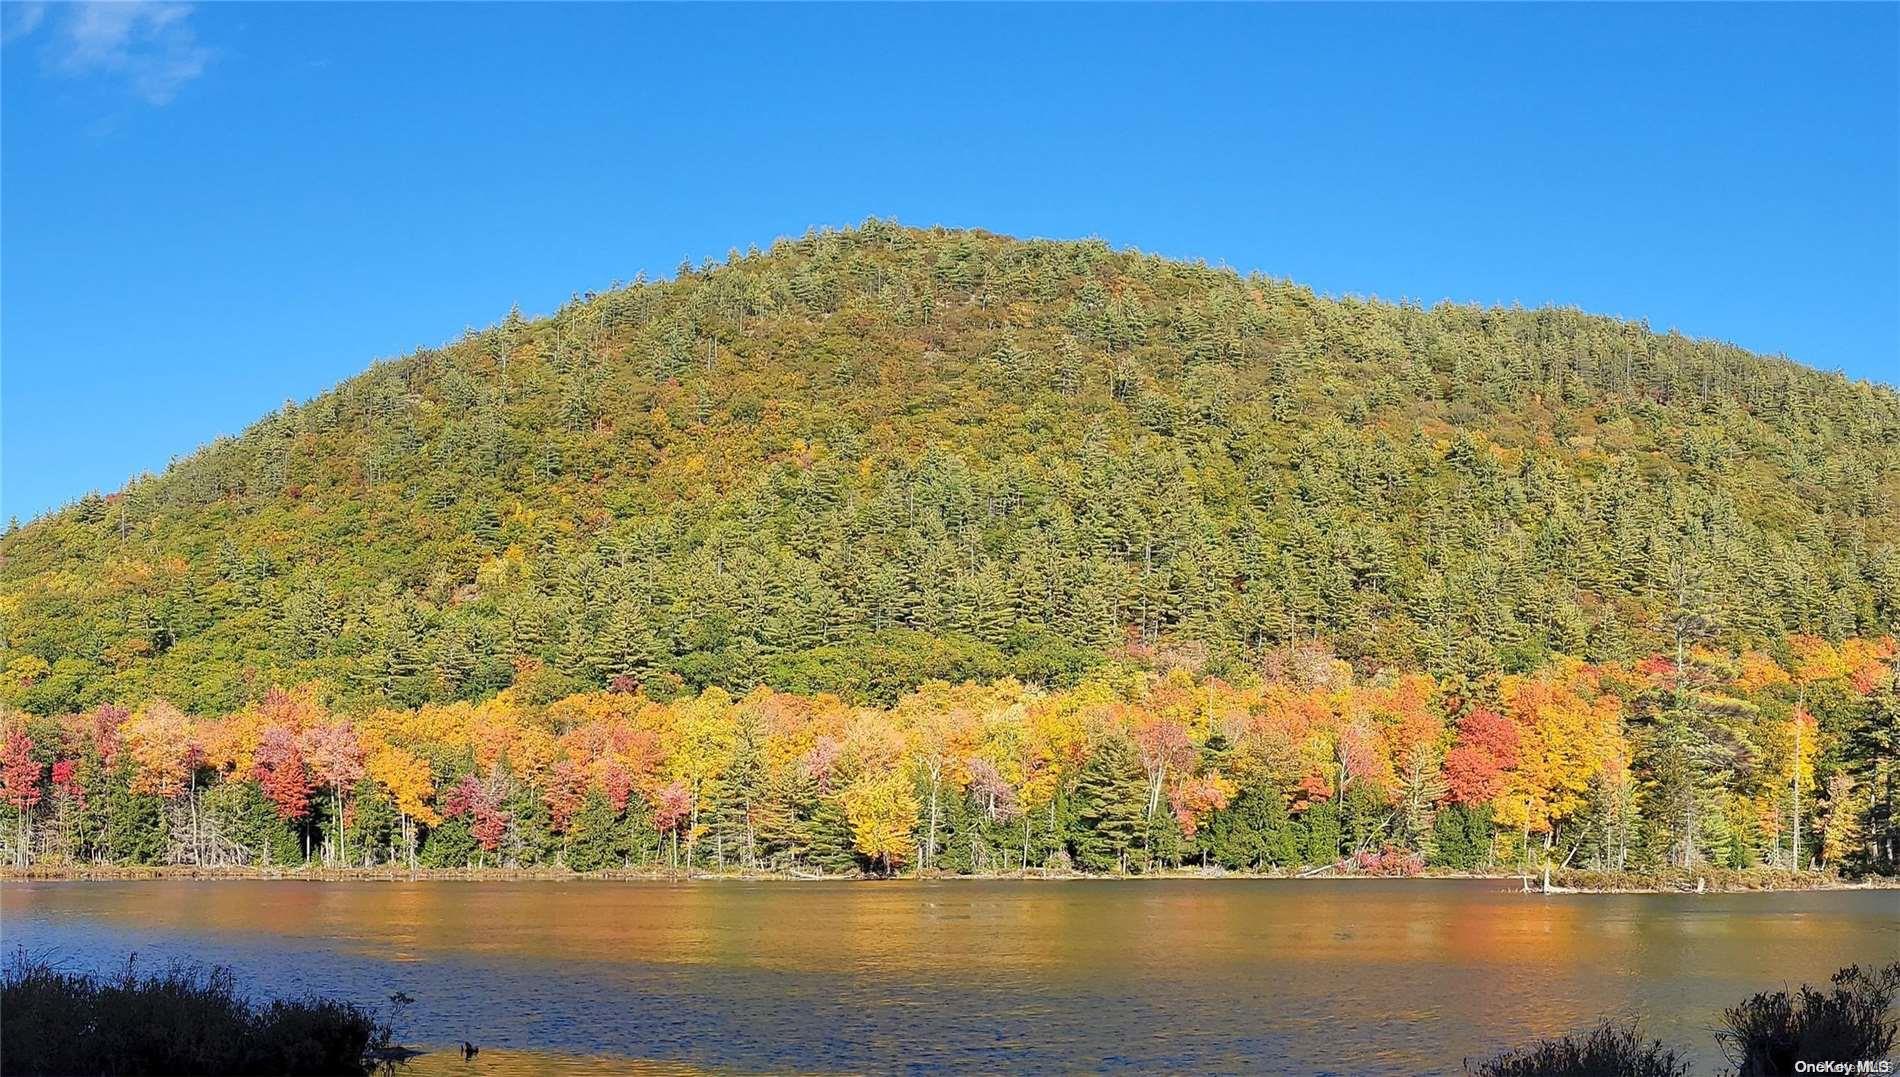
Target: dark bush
<point>1851,1023</point>
<point>1610,1050</point>
<point>180,1020</point>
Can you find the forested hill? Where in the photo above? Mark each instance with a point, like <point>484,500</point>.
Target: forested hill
<point>863,459</point>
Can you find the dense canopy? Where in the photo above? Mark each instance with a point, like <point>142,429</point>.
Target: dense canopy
<point>1734,761</point>
<point>863,462</point>
<point>867,457</point>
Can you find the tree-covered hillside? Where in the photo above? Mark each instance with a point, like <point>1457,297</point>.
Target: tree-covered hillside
<point>860,460</point>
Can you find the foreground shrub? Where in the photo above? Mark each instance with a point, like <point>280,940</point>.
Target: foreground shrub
<point>1851,1023</point>
<point>1771,1034</point>
<point>1391,860</point>
<point>181,1020</point>
<point>1611,1050</point>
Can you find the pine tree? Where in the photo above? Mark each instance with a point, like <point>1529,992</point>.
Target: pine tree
<point>598,839</point>
<point>531,840</point>
<point>1461,838</point>
<point>86,834</point>
<point>1320,834</point>
<point>626,646</point>
<point>1421,787</point>
<point>742,790</point>
<point>643,834</point>
<point>1108,805</point>
<point>522,631</point>
<point>828,842</point>
<point>370,825</point>
<point>135,829</point>
<point>448,845</point>
<point>1253,832</point>
<point>1363,817</point>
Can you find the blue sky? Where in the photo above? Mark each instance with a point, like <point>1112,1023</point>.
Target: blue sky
<point>206,211</point>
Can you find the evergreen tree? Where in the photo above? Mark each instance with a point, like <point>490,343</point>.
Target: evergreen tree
<point>531,840</point>
<point>1320,834</point>
<point>742,792</point>
<point>643,834</point>
<point>1462,838</point>
<point>370,825</point>
<point>447,845</point>
<point>1108,806</point>
<point>1252,833</point>
<point>1364,817</point>
<point>249,820</point>
<point>1220,463</point>
<point>828,842</point>
<point>86,835</point>
<point>626,646</point>
<point>135,831</point>
<point>598,838</point>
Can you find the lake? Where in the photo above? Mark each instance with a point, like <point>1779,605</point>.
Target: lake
<point>1341,976</point>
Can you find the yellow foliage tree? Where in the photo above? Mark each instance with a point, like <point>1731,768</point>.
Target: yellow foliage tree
<point>883,812</point>
<point>1567,732</point>
<point>408,781</point>
<point>162,743</point>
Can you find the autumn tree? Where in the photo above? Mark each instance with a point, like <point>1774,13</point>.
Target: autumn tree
<point>280,770</point>
<point>883,814</point>
<point>336,759</point>
<point>20,788</point>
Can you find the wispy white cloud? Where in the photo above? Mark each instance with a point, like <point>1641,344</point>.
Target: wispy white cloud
<point>20,19</point>
<point>150,45</point>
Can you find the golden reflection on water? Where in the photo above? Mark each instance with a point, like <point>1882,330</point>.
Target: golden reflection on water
<point>1393,975</point>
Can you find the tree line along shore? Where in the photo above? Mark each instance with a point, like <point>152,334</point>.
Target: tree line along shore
<point>1738,769</point>
<point>1573,881</point>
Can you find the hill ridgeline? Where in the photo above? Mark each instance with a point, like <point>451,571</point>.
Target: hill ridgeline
<point>864,459</point>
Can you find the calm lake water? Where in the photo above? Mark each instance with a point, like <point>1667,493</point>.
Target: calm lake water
<point>1347,976</point>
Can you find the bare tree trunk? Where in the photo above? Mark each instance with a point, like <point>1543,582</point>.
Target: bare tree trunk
<point>930,846</point>
<point>197,849</point>
<point>1795,838</point>
<point>1527,847</point>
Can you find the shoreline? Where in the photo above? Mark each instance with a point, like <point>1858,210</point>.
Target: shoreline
<point>1715,882</point>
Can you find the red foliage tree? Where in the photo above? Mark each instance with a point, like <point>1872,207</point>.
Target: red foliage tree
<point>473,799</point>
<point>20,787</point>
<point>566,789</point>
<point>20,773</point>
<point>821,759</point>
<point>334,754</point>
<point>1312,789</point>
<point>1486,749</point>
<point>1358,754</point>
<point>617,782</point>
<point>105,732</point>
<point>671,806</point>
<point>66,781</point>
<point>281,772</point>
